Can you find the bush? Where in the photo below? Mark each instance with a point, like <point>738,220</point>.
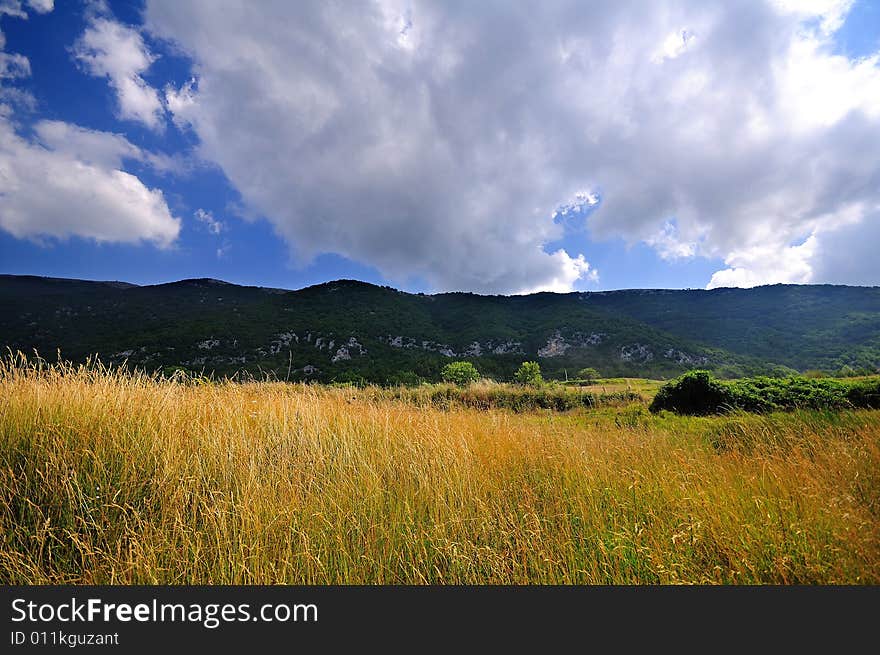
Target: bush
<point>460,373</point>
<point>489,395</point>
<point>763,394</point>
<point>865,394</point>
<point>406,378</point>
<point>175,372</point>
<point>588,374</point>
<point>695,392</point>
<point>698,393</point>
<point>815,374</point>
<point>529,373</point>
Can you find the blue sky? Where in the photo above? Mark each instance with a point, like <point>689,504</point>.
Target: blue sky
<point>286,201</point>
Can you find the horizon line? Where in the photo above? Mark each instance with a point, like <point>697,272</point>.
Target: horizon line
<point>436,293</point>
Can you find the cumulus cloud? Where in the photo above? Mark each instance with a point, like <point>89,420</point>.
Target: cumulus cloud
<point>69,183</point>
<point>67,180</point>
<point>91,147</point>
<point>766,265</point>
<point>569,271</point>
<point>441,140</point>
<point>110,49</point>
<point>105,148</point>
<point>840,255</point>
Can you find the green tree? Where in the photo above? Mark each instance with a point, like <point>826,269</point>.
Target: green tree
<point>588,374</point>
<point>460,373</point>
<point>529,373</point>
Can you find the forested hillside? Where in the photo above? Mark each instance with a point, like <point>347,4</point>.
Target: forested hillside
<point>348,330</point>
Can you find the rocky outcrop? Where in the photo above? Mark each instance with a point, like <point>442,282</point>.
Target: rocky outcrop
<point>681,357</point>
<point>555,347</point>
<point>474,349</point>
<point>636,353</point>
<point>506,348</point>
<point>346,351</point>
<point>409,342</point>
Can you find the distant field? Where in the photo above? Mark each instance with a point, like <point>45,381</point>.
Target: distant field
<point>119,478</point>
<point>639,385</point>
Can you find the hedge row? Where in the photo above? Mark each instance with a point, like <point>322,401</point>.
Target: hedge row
<point>697,392</point>
<point>519,399</point>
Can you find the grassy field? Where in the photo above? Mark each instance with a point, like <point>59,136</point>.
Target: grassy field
<point>108,477</point>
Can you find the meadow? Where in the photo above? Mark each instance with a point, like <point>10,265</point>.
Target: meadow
<point>108,476</point>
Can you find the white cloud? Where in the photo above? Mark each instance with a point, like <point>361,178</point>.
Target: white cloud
<point>181,103</point>
<point>438,140</point>
<point>68,180</point>
<point>841,249</point>
<point>848,255</point>
<point>91,147</point>
<point>582,202</point>
<point>8,8</point>
<point>830,13</point>
<point>674,45</point>
<point>13,97</point>
<point>103,148</point>
<point>669,246</point>
<point>570,270</point>
<point>109,49</point>
<point>41,6</point>
<point>212,224</point>
<point>757,265</point>
<point>14,65</point>
<point>70,184</point>
<point>12,8</point>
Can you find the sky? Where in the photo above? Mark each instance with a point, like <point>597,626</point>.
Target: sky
<point>491,147</point>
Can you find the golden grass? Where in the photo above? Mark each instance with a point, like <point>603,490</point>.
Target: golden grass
<point>109,477</point>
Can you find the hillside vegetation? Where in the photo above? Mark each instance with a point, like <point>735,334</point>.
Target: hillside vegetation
<point>347,331</point>
<point>118,477</point>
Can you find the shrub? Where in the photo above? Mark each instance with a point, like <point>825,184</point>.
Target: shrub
<point>698,393</point>
<point>460,373</point>
<point>406,378</point>
<point>487,395</point>
<point>764,394</point>
<point>865,394</point>
<point>588,374</point>
<point>815,374</point>
<point>695,392</point>
<point>529,373</point>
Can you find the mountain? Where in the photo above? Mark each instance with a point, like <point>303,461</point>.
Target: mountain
<point>349,330</point>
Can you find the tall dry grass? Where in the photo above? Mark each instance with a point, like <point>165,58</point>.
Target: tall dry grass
<point>111,477</point>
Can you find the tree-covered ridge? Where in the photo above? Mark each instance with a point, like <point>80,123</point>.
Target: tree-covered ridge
<point>350,331</point>
<point>800,326</point>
